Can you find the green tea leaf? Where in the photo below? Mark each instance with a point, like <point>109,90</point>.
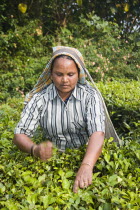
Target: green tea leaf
<point>2,188</point>
<point>106,206</point>
<point>65,184</point>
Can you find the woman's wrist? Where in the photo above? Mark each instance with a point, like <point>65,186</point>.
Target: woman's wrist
<point>88,164</point>
<point>32,150</point>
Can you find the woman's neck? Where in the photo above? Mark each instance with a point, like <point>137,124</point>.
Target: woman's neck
<point>64,96</point>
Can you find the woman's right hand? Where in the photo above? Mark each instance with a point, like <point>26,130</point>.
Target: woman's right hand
<point>43,150</point>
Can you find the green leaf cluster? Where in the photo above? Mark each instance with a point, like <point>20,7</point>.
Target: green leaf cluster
<point>32,184</point>
<point>123,102</point>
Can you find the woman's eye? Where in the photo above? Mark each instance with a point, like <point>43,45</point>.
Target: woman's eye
<point>70,75</point>
<point>59,74</point>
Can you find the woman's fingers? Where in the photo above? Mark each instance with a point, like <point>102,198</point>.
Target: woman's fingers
<point>76,186</point>
<point>86,183</point>
<point>83,178</point>
<point>44,150</point>
<point>83,183</point>
<point>80,184</point>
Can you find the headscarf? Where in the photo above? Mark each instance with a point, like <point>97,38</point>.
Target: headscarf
<point>45,79</point>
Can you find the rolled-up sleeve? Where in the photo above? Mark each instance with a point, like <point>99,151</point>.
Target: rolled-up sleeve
<point>95,116</point>
<point>29,120</point>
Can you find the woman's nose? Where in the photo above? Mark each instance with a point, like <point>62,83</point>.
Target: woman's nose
<point>64,79</point>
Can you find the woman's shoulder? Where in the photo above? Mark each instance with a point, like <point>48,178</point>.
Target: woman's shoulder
<point>44,92</point>
<point>87,88</point>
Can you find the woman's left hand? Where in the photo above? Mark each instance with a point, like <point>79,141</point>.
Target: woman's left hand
<point>83,177</point>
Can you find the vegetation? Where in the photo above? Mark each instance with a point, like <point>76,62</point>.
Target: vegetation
<point>32,184</point>
<point>107,34</point>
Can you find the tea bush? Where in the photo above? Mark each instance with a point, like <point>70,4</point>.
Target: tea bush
<point>123,101</point>
<point>23,41</point>
<point>28,183</point>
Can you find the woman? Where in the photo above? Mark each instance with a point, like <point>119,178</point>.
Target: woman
<point>69,110</point>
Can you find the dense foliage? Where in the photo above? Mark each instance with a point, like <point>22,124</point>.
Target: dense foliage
<point>123,102</point>
<point>54,15</point>
<point>32,184</point>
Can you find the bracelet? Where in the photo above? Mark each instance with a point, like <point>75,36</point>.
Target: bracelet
<point>32,150</point>
<point>86,164</point>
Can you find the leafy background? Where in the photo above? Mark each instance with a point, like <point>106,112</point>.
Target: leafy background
<point>107,34</point>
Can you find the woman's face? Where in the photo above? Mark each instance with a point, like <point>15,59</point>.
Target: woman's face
<point>65,76</point>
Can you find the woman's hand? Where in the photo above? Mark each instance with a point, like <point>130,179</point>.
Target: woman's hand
<point>43,150</point>
<point>25,144</point>
<point>93,151</point>
<point>83,177</point>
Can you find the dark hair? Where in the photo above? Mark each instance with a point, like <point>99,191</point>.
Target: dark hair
<point>64,56</point>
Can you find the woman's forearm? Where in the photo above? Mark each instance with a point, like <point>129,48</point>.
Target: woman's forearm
<point>94,148</point>
<point>23,142</point>
<point>84,174</point>
<point>42,150</point>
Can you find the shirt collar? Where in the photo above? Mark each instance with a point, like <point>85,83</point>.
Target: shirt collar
<point>76,93</point>
<point>53,92</point>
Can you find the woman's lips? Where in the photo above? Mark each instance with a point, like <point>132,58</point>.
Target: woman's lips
<point>65,85</point>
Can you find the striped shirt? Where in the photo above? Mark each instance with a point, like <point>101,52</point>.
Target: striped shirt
<point>67,125</point>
